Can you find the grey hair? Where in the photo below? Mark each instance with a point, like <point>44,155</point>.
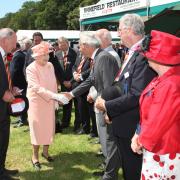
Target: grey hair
<point>135,22</point>
<point>6,33</point>
<point>89,39</point>
<point>63,39</point>
<point>104,34</point>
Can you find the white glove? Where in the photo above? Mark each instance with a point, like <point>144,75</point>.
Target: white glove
<point>61,98</point>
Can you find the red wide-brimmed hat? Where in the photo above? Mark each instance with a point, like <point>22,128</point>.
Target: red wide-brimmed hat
<point>164,48</point>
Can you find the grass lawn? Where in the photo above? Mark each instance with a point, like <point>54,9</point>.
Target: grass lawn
<point>74,157</point>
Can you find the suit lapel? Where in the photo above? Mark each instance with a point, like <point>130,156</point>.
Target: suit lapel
<point>128,65</point>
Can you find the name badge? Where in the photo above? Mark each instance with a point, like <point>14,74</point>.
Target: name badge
<point>126,75</point>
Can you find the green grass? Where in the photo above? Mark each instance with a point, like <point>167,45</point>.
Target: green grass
<point>74,157</point>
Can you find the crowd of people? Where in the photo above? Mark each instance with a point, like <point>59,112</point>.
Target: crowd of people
<point>127,95</point>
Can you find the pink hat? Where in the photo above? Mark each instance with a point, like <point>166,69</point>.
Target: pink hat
<point>41,49</point>
<point>164,48</point>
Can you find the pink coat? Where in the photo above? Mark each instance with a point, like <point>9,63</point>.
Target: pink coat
<point>160,114</point>
<point>41,114</point>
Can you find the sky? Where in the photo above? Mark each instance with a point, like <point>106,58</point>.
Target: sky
<point>8,6</point>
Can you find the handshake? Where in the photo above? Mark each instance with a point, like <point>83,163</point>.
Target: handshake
<point>63,98</point>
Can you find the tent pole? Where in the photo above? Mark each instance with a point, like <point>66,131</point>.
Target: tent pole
<point>148,8</point>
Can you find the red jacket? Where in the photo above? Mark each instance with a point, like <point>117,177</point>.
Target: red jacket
<point>160,114</point>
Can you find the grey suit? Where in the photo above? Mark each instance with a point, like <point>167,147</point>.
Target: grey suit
<point>101,77</point>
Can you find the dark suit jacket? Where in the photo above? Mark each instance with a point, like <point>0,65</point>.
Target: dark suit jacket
<point>57,67</point>
<point>3,88</point>
<point>17,70</point>
<point>71,58</point>
<point>124,110</point>
<point>85,70</point>
<point>102,74</point>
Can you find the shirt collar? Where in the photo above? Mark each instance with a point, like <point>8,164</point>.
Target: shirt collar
<point>2,51</point>
<point>134,47</point>
<point>94,53</point>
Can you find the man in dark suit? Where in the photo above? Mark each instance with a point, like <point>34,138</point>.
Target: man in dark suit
<point>81,71</point>
<point>67,62</point>
<point>7,43</point>
<point>123,112</point>
<point>18,77</point>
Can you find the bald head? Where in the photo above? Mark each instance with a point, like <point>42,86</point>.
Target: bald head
<point>104,37</point>
<point>8,39</point>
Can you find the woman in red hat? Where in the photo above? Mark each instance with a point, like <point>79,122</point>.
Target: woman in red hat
<point>158,134</point>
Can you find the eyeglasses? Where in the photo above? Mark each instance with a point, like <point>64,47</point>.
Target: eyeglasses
<point>120,29</point>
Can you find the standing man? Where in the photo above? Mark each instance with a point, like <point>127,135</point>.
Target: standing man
<point>133,77</point>
<point>18,77</point>
<point>106,136</point>
<point>67,62</point>
<point>7,44</point>
<point>104,67</point>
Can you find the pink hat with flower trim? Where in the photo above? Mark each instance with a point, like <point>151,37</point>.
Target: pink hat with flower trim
<point>41,49</point>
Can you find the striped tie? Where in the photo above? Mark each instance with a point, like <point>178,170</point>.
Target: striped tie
<point>81,65</point>
<point>8,72</point>
<point>65,59</point>
<point>119,72</point>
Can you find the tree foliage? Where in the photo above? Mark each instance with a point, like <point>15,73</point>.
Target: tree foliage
<point>46,14</point>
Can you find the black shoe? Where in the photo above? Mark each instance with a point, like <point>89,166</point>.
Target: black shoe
<point>49,158</point>
<point>16,122</point>
<point>102,166</point>
<point>82,131</point>
<point>98,173</point>
<point>36,165</point>
<point>7,177</point>
<point>18,125</point>
<point>26,130</point>
<point>93,135</point>
<point>99,154</point>
<point>11,172</point>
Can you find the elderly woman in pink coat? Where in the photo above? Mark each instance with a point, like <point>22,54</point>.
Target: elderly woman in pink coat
<point>41,92</point>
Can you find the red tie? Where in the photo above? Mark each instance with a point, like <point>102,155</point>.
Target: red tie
<point>119,72</point>
<point>91,63</point>
<point>81,65</point>
<point>8,72</point>
<point>65,59</point>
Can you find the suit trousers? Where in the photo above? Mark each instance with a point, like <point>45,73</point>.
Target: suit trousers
<point>4,141</point>
<point>77,121</point>
<point>67,114</point>
<point>131,162</point>
<point>101,128</point>
<point>84,113</point>
<point>113,160</point>
<point>93,118</point>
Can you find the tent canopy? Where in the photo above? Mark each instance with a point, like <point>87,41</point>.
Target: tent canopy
<point>168,21</point>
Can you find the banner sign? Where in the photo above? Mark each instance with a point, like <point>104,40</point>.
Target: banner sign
<point>111,7</point>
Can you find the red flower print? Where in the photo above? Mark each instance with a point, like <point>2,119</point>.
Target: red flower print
<point>161,164</point>
<point>172,156</point>
<point>156,158</point>
<point>171,167</point>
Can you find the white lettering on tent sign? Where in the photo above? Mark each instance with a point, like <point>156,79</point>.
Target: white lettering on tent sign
<point>111,7</point>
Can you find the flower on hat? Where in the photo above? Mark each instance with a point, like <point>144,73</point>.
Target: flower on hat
<point>163,48</point>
